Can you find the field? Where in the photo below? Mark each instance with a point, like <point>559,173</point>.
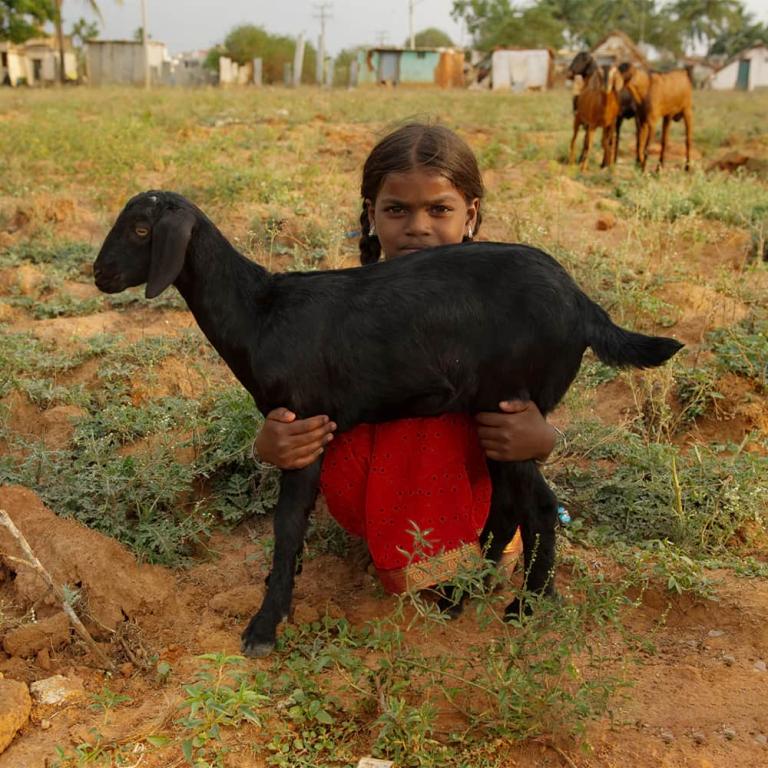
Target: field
<point>124,453</point>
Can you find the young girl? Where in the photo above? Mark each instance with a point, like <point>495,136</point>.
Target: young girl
<point>424,480</point>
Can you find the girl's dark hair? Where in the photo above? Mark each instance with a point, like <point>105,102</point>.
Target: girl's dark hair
<point>417,145</point>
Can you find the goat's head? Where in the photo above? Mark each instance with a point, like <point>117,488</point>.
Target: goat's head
<point>627,70</point>
<point>583,64</point>
<point>147,244</point>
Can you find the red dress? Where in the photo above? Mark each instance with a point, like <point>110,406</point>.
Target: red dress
<point>384,481</point>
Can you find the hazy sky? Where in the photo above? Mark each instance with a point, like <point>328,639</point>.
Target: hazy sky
<point>186,25</point>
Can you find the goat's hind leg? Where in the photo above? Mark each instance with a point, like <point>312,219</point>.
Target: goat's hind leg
<point>537,511</point>
<point>298,491</point>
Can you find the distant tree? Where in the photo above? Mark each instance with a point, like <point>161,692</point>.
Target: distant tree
<point>138,35</point>
<point>495,23</point>
<point>247,42</point>
<point>432,37</point>
<point>341,65</point>
<point>702,21</point>
<point>83,31</point>
<point>741,31</point>
<point>21,20</point>
<point>211,60</point>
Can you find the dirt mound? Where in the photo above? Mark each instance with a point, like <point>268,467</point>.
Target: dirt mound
<point>701,309</point>
<point>113,587</point>
<point>54,426</point>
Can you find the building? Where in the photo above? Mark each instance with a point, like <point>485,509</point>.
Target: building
<point>406,66</point>
<point>617,48</point>
<point>110,62</point>
<point>35,62</point>
<point>745,71</point>
<point>517,69</point>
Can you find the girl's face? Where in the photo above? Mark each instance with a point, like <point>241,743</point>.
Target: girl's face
<point>419,209</point>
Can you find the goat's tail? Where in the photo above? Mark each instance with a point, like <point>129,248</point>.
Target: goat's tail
<point>617,346</point>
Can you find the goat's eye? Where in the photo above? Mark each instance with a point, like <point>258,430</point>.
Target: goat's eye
<point>141,231</point>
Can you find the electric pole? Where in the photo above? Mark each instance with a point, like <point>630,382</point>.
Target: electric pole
<point>322,14</point>
<point>411,5</point>
<point>145,42</point>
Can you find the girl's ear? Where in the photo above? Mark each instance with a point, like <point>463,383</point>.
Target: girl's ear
<point>473,208</point>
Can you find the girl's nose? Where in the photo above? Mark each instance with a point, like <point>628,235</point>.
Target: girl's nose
<point>419,223</point>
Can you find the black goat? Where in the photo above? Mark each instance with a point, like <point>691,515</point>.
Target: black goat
<point>457,328</point>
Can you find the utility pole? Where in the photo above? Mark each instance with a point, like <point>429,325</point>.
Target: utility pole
<point>411,5</point>
<point>381,38</point>
<point>145,42</point>
<point>322,14</point>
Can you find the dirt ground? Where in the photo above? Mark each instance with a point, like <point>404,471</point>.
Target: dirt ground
<point>697,701</point>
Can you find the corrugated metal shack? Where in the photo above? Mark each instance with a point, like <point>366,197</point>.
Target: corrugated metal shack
<point>122,61</point>
<point>443,67</point>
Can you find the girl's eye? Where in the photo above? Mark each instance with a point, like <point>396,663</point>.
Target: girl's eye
<point>141,231</point>
<point>439,209</point>
<point>395,209</point>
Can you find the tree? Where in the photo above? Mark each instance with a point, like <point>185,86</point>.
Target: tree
<point>247,42</point>
<point>742,31</point>
<point>432,37</point>
<point>21,20</point>
<point>495,23</point>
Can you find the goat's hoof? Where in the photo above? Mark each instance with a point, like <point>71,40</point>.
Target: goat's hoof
<point>450,607</point>
<point>256,648</point>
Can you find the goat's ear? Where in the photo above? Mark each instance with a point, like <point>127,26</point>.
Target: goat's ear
<point>170,238</point>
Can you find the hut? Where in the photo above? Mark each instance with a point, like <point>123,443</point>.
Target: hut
<point>122,61</point>
<point>411,66</point>
<point>745,71</point>
<point>616,48</point>
<point>517,69</point>
<point>36,62</point>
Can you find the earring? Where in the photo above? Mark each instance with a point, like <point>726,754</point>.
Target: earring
<point>469,232</point>
<point>372,231</point>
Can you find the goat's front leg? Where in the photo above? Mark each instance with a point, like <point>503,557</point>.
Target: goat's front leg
<point>298,491</point>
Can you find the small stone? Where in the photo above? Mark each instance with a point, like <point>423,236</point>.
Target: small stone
<point>760,666</point>
<point>45,724</point>
<point>728,660</point>
<point>15,706</point>
<point>605,222</point>
<point>667,737</point>
<point>56,689</point>
<point>43,659</point>
<point>374,762</point>
<point>729,733</point>
<point>762,739</point>
<point>715,633</point>
<point>698,737</point>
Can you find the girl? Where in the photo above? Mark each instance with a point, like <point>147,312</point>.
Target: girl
<point>414,480</point>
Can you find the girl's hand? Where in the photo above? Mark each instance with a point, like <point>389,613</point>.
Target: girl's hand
<point>291,443</point>
<point>518,433</point>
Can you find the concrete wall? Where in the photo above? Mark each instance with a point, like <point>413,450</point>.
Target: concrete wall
<point>122,62</point>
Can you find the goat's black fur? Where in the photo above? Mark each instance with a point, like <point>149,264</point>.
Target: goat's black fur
<point>457,328</point>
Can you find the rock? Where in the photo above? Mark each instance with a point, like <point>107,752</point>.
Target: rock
<point>728,660</point>
<point>667,737</point>
<point>762,739</point>
<point>760,666</point>
<point>715,633</point>
<point>605,222</point>
<point>729,733</point>
<point>45,724</point>
<point>15,706</point>
<point>57,689</point>
<point>698,737</point>
<point>27,640</point>
<point>374,762</point>
<point>43,659</point>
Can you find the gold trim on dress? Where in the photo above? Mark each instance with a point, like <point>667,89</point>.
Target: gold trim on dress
<point>443,567</point>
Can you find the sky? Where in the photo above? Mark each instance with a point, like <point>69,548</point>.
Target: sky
<point>186,25</point>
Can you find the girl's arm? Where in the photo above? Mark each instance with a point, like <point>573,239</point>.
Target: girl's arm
<point>291,443</point>
<point>518,433</point>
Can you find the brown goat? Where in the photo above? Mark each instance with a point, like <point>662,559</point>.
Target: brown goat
<point>597,106</point>
<point>668,96</point>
